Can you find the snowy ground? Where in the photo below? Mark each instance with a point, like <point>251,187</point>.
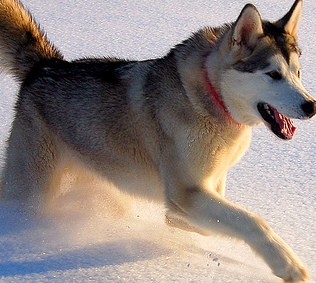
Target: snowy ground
<point>85,239</point>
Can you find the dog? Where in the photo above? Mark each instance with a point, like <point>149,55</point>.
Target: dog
<point>167,129</point>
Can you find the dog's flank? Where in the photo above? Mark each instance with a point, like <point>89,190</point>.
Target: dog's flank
<point>167,128</point>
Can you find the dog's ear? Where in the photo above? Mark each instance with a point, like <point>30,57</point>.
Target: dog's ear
<point>247,29</point>
<point>291,20</point>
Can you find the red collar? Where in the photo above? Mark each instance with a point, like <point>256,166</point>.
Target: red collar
<point>212,92</point>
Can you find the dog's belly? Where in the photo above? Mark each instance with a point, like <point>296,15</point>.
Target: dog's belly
<point>140,183</point>
<point>135,175</point>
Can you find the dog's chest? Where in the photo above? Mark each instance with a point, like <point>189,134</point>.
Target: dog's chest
<point>210,151</point>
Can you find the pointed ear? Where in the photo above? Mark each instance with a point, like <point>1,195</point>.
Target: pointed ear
<point>248,28</point>
<point>291,20</point>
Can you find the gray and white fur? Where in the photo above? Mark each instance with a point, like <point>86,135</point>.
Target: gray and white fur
<point>167,129</point>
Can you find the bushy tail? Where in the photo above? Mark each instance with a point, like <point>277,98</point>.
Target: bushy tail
<point>22,42</point>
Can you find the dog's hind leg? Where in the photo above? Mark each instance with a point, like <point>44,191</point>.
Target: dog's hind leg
<point>30,160</point>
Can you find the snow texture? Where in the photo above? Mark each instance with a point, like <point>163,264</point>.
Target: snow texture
<point>86,238</point>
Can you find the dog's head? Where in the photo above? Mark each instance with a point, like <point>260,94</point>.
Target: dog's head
<point>262,80</point>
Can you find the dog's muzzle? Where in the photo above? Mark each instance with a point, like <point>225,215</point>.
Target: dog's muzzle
<point>281,125</point>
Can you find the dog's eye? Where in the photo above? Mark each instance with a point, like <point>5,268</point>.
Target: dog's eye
<point>299,74</point>
<point>275,75</point>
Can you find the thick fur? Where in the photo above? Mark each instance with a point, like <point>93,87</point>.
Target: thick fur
<point>22,43</point>
<point>155,128</point>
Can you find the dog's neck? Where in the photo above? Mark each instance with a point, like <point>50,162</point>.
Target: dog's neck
<point>211,91</point>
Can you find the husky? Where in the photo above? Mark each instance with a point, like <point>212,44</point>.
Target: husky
<point>167,129</point>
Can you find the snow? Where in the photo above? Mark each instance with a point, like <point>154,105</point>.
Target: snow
<point>85,237</point>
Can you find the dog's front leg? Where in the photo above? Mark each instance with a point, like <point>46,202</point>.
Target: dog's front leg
<point>210,211</point>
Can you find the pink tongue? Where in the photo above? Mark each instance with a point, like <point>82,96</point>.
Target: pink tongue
<point>286,125</point>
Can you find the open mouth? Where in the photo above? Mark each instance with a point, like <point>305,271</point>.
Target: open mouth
<point>279,124</point>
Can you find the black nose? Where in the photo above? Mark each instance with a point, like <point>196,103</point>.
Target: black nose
<point>309,108</point>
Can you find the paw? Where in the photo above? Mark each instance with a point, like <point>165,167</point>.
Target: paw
<point>293,273</point>
<point>282,260</point>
